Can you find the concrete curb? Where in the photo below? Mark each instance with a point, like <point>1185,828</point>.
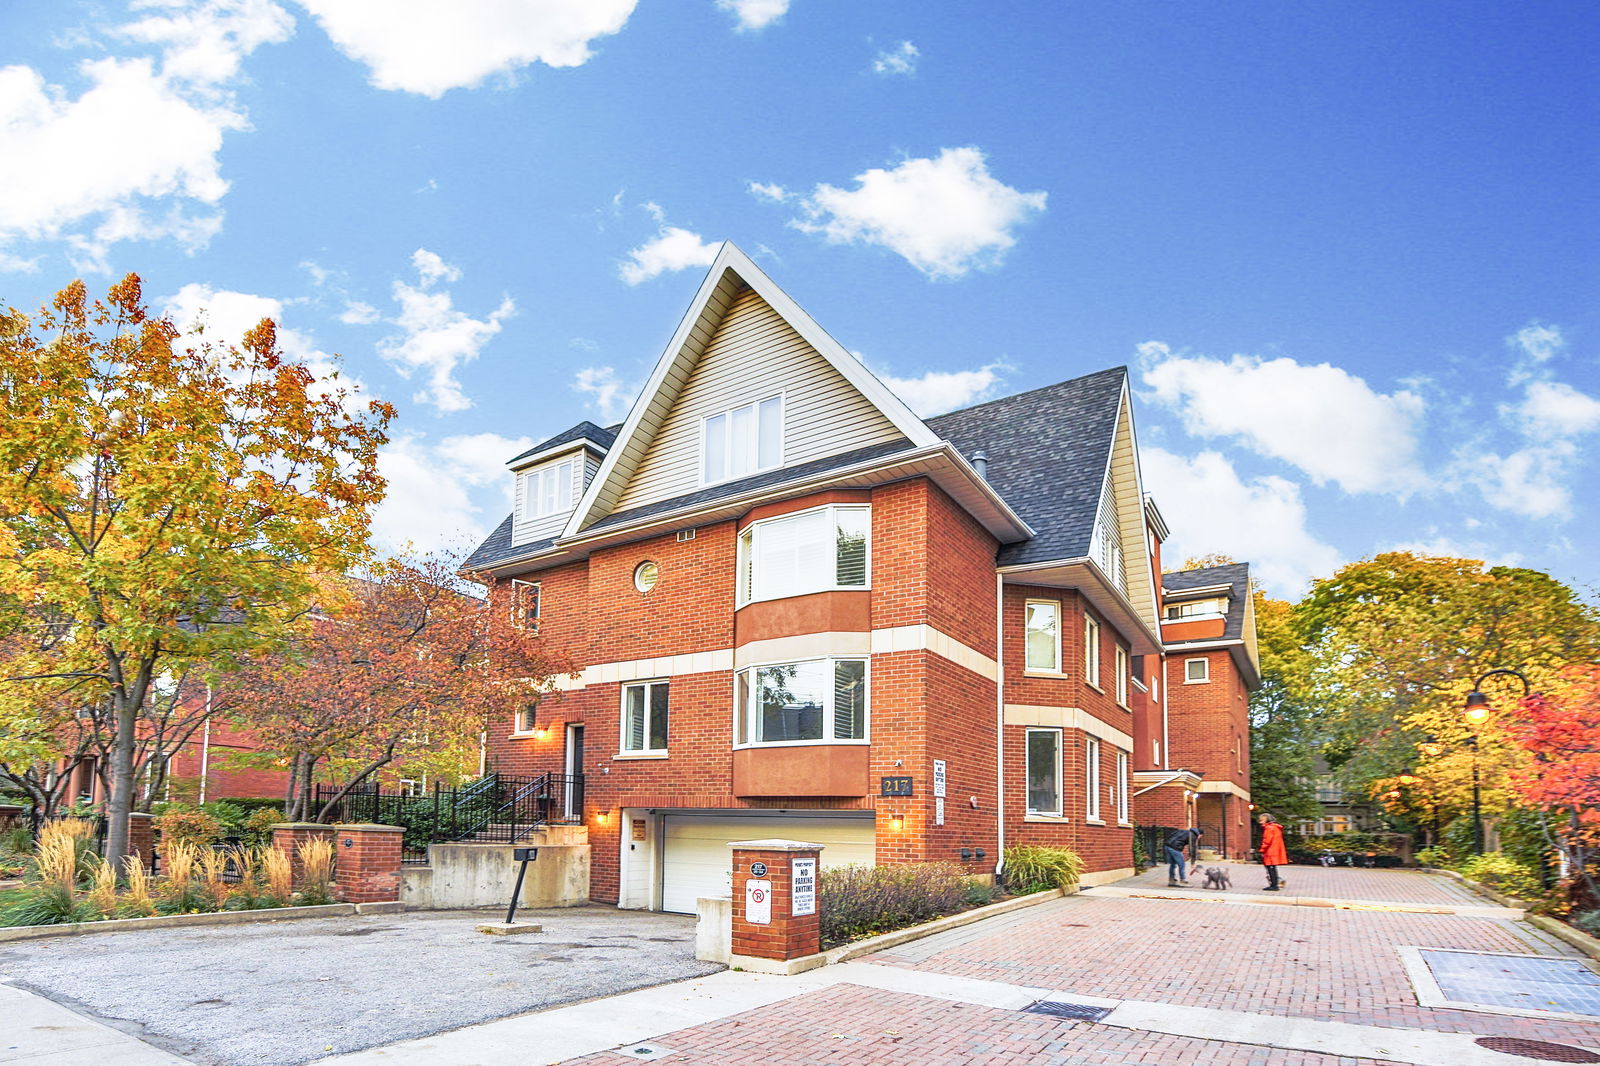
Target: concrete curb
<point>846,952</point>
<point>169,921</point>
<point>1561,930</point>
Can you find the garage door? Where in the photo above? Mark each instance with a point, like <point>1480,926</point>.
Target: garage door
<point>698,862</point>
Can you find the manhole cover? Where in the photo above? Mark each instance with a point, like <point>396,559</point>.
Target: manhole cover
<point>1523,982</point>
<point>1537,1049</point>
<point>1081,1012</point>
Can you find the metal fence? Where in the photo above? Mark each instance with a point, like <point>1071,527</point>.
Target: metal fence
<point>1154,838</point>
<point>498,808</point>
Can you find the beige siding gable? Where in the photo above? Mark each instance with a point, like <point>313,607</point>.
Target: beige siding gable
<point>751,355</point>
<point>526,528</point>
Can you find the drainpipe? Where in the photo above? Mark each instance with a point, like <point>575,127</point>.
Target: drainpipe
<point>1166,741</point>
<point>205,747</point>
<point>1000,723</point>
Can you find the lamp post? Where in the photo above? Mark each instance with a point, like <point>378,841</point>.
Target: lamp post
<point>1476,711</point>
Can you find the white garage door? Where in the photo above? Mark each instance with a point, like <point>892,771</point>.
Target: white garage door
<point>698,862</point>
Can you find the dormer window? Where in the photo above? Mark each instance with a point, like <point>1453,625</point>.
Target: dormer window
<point>743,441</point>
<point>1214,607</point>
<point>548,490</point>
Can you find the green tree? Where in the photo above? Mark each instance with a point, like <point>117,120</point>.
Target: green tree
<point>1284,737</point>
<point>163,506</point>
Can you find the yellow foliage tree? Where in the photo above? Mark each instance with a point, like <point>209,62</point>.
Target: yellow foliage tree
<point>163,503</point>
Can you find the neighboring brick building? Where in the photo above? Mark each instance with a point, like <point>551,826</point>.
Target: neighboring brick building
<point>798,610</point>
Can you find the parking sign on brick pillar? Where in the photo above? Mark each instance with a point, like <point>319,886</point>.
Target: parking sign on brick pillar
<point>288,836</point>
<point>366,862</point>
<point>775,916</point>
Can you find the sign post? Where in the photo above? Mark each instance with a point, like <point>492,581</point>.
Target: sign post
<point>522,857</point>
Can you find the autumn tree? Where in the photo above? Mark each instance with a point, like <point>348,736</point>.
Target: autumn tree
<point>407,661</point>
<point>164,503</point>
<point>1559,729</point>
<point>1284,737</point>
<point>1396,643</point>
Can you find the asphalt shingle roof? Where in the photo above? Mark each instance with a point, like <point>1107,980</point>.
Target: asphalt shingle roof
<point>1048,450</point>
<point>497,548</point>
<point>602,437</point>
<point>1235,574</point>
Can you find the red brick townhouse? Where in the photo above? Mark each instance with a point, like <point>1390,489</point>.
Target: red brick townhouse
<point>798,610</point>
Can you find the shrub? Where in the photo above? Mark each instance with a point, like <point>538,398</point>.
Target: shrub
<point>860,901</point>
<point>258,826</point>
<point>230,816</point>
<point>978,893</point>
<point>1437,855</point>
<point>1030,868</point>
<point>1588,921</point>
<point>180,823</point>
<point>1503,874</point>
<point>17,840</point>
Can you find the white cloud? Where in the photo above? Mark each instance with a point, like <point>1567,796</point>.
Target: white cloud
<point>17,264</point>
<point>1531,481</point>
<point>946,215</point>
<point>1537,342</point>
<point>1552,408</point>
<point>224,316</point>
<point>772,194</point>
<point>755,14</point>
<point>438,338</point>
<point>938,391</point>
<point>1262,521</point>
<point>135,155</point>
<point>1441,546</point>
<point>429,48</point>
<point>1322,419</point>
<point>431,502</point>
<point>901,59</point>
<point>357,313</point>
<point>673,248</point>
<point>609,396</point>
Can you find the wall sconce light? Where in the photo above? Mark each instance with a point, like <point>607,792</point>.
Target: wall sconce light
<point>601,817</point>
<point>898,821</point>
<point>540,732</point>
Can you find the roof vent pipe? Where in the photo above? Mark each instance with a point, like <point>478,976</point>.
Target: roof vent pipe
<point>980,463</point>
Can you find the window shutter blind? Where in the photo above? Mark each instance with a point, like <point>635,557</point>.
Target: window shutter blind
<point>851,540</point>
<point>849,700</point>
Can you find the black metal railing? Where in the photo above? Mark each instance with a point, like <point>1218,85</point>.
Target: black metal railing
<point>497,808</point>
<point>1154,838</point>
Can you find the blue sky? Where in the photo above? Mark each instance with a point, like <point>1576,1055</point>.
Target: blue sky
<point>1348,251</point>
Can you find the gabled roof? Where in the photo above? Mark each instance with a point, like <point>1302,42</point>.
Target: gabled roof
<point>1048,451</point>
<point>731,273</point>
<point>581,431</point>
<point>497,548</point>
<point>1234,575</point>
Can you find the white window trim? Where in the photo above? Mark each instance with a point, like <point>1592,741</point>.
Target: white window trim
<point>1091,769</point>
<point>744,543</point>
<point>1052,671</point>
<point>1091,651</point>
<point>827,707</point>
<point>1121,657</point>
<point>1123,781</point>
<point>520,620</point>
<point>624,752</point>
<point>1187,680</point>
<point>1059,814</point>
<point>705,421</point>
<point>533,500</point>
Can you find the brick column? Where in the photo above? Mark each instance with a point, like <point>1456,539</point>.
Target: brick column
<point>288,836</point>
<point>142,838</point>
<point>366,862</point>
<point>768,936</point>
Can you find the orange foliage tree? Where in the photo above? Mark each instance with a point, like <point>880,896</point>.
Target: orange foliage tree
<point>164,504</point>
<point>405,661</point>
<point>1560,729</point>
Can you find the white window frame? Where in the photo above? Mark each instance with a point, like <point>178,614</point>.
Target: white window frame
<point>1027,767</point>
<point>1122,788</point>
<point>1091,771</point>
<point>526,721</point>
<point>521,618</point>
<point>1185,610</point>
<point>560,477</point>
<point>1122,675</point>
<point>729,443</point>
<point>753,695</point>
<point>745,556</point>
<point>1055,665</point>
<point>1205,671</point>
<point>622,717</point>
<point>412,787</point>
<point>1091,650</point>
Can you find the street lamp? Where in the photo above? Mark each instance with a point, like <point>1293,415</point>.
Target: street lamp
<point>1476,711</point>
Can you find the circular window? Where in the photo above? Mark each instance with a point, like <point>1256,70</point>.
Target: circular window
<point>644,576</point>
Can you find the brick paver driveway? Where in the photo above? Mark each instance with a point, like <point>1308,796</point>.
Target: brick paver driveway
<point>1339,882</point>
<point>1286,962</point>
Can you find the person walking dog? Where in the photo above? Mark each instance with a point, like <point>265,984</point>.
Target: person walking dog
<point>1273,852</point>
<point>1177,841</point>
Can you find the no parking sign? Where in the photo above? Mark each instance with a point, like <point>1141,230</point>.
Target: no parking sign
<point>758,902</point>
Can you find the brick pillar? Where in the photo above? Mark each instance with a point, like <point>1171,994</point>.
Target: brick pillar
<point>142,838</point>
<point>288,836</point>
<point>768,936</point>
<point>367,862</point>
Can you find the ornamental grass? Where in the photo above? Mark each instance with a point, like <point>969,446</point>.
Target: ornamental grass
<point>137,902</point>
<point>278,872</point>
<point>316,871</point>
<point>103,889</point>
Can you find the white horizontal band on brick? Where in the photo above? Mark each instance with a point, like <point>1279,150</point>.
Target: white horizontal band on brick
<point>1225,788</point>
<point>1067,718</point>
<point>788,649</point>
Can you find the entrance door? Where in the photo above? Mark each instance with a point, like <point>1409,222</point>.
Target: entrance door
<point>573,801</point>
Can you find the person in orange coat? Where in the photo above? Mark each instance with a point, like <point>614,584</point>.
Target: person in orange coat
<point>1273,852</point>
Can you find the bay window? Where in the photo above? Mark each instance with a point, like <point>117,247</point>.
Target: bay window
<point>1044,771</point>
<point>742,441</point>
<point>813,551</point>
<point>816,701</point>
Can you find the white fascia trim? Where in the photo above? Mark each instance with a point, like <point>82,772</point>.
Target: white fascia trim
<point>1226,788</point>
<point>559,449</point>
<point>1197,593</point>
<point>1152,515</point>
<point>982,485</point>
<point>1125,405</point>
<point>1183,647</point>
<point>1025,714</point>
<point>1105,584</point>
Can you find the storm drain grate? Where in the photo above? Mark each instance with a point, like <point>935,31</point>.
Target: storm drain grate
<point>642,1052</point>
<point>1537,1049</point>
<point>1525,982</point>
<point>1078,1012</point>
